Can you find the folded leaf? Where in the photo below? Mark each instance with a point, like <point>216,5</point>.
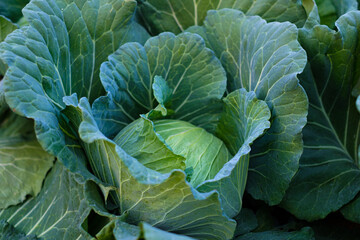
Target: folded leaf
<point>188,67</point>
<point>329,172</point>
<point>177,16</point>
<point>244,119</point>
<point>264,58</point>
<point>165,201</point>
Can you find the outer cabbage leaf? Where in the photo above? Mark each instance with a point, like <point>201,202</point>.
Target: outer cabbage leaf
<point>58,54</point>
<point>23,163</point>
<point>188,67</point>
<point>331,10</point>
<point>329,174</point>
<point>12,8</point>
<point>264,58</point>
<point>56,213</point>
<point>176,16</point>
<point>165,201</point>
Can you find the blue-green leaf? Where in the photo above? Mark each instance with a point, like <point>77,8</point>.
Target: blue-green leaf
<point>264,58</point>
<point>188,67</point>
<point>59,54</point>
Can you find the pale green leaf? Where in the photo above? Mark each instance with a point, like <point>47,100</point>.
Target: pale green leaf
<point>124,231</point>
<point>140,140</point>
<point>203,152</point>
<point>6,27</point>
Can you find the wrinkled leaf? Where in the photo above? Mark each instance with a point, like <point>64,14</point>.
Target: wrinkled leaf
<point>264,58</point>
<point>188,67</point>
<point>59,55</point>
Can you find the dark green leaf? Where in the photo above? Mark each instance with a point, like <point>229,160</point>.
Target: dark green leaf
<point>329,174</point>
<point>246,222</point>
<point>12,8</point>
<point>331,10</point>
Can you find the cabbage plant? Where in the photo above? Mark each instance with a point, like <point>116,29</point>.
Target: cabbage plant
<point>152,119</point>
